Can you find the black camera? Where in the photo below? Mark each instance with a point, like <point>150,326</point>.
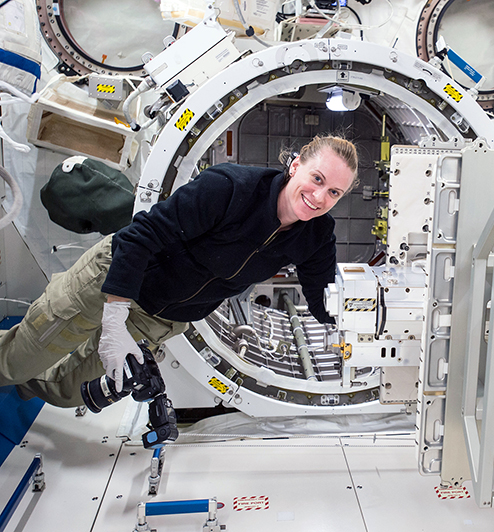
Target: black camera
<point>145,383</point>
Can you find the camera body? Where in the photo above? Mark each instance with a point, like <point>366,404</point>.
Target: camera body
<point>145,383</point>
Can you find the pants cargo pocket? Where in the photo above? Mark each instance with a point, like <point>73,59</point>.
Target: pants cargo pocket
<point>45,322</point>
<point>59,321</point>
<point>44,336</point>
<point>68,325</point>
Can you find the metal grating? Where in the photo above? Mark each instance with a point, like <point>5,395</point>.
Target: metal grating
<point>270,332</point>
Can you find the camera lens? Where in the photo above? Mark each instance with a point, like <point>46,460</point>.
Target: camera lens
<point>100,393</point>
<point>144,381</point>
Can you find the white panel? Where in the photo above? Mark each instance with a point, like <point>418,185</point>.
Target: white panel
<point>78,456</point>
<point>394,497</point>
<point>182,388</point>
<point>319,484</point>
<point>306,482</point>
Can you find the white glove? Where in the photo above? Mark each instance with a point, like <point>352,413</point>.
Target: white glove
<point>116,342</point>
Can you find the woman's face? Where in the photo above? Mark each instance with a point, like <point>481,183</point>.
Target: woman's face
<point>314,187</point>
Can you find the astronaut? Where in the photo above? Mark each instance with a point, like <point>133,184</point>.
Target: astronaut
<point>231,227</point>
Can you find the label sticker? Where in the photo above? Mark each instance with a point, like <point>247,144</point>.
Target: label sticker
<point>425,69</point>
<point>218,385</point>
<point>109,89</point>
<point>452,493</point>
<point>251,503</point>
<point>186,117</point>
<point>360,304</point>
<point>451,91</point>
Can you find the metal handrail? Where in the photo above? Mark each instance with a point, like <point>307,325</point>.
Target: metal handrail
<point>34,472</point>
<point>210,506</point>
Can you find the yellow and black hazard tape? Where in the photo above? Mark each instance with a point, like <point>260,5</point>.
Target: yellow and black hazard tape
<point>454,93</point>
<point>102,87</point>
<point>360,304</point>
<point>184,119</point>
<point>218,385</point>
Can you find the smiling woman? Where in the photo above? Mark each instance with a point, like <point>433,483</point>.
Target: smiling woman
<point>324,172</point>
<point>231,227</point>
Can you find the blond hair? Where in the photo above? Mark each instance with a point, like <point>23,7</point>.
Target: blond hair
<point>340,146</point>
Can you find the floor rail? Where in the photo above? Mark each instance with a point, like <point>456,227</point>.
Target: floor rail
<point>34,474</point>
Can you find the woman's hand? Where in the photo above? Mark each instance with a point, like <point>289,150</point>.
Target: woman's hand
<point>116,342</point>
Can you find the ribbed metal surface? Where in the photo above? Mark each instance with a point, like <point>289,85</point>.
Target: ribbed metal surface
<point>272,332</point>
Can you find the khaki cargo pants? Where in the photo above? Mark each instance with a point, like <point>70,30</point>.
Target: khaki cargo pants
<point>55,347</point>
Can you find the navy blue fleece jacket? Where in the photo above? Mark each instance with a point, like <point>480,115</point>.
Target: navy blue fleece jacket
<point>212,239</point>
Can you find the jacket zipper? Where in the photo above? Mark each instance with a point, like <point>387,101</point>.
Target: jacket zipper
<point>265,243</point>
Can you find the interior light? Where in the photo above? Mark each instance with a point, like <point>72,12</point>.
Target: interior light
<point>334,101</point>
<point>342,100</point>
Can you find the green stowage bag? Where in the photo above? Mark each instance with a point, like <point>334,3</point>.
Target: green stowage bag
<point>87,196</point>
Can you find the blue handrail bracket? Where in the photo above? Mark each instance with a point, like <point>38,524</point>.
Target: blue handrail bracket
<point>179,507</point>
<point>33,474</point>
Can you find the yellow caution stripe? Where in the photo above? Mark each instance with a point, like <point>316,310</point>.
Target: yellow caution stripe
<point>103,87</point>
<point>184,119</point>
<point>362,304</point>
<point>218,385</point>
<point>454,93</point>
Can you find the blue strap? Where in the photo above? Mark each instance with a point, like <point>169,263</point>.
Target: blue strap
<point>17,61</point>
<point>463,65</point>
